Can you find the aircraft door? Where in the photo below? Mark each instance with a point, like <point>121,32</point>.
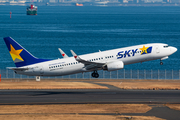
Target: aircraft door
<point>157,49</point>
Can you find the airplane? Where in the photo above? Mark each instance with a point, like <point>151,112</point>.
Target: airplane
<point>109,60</point>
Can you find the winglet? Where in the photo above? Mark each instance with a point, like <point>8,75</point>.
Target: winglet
<point>86,62</point>
<point>75,55</point>
<point>62,53</point>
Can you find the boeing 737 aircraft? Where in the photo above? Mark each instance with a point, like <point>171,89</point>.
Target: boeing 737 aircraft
<point>110,60</point>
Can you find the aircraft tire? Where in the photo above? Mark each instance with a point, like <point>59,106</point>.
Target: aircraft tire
<point>93,74</point>
<point>96,75</point>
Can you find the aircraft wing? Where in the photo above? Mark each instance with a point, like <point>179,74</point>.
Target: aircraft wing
<point>15,68</point>
<point>88,64</point>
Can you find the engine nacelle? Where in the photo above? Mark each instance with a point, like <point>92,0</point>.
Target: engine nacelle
<point>117,65</point>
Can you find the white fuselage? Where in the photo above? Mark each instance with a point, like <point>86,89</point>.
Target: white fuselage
<point>70,65</point>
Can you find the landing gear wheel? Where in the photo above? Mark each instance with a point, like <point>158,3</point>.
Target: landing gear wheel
<point>161,63</point>
<point>95,74</point>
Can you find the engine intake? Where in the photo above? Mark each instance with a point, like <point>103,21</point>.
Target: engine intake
<point>114,66</point>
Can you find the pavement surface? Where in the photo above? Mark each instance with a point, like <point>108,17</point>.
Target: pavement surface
<point>89,96</point>
<point>113,95</point>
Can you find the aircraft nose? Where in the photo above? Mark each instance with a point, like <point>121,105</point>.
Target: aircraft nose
<point>173,49</point>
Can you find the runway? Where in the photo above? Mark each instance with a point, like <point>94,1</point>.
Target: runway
<point>111,96</point>
<point>154,98</point>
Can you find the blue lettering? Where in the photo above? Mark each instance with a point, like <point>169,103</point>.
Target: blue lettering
<point>127,53</point>
<point>120,55</point>
<point>134,52</point>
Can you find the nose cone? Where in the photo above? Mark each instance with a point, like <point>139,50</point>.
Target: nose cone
<point>173,49</point>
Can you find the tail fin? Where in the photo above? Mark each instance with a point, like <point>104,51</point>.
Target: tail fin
<point>20,55</point>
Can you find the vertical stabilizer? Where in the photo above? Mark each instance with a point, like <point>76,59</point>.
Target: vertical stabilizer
<point>20,55</point>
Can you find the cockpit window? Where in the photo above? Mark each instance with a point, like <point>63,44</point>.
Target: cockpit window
<point>166,46</point>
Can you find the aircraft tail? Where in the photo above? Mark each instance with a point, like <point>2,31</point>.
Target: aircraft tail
<point>20,55</point>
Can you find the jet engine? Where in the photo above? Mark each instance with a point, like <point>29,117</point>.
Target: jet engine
<point>117,65</point>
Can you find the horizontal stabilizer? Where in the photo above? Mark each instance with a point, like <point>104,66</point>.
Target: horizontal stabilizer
<point>15,68</point>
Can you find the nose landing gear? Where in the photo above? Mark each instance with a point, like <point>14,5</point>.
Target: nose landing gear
<point>95,74</point>
<point>161,63</point>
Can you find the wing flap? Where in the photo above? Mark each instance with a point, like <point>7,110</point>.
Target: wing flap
<point>89,67</point>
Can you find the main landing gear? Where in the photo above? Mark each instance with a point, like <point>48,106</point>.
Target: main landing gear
<point>95,74</point>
